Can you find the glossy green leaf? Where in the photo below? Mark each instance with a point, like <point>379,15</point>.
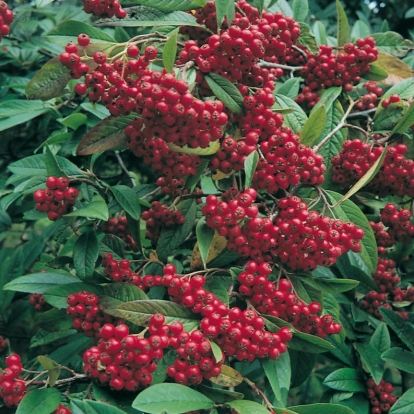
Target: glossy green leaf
<point>302,364</point>
<point>39,401</point>
<point>226,91</point>
<point>222,9</point>
<point>402,329</point>
<point>53,368</point>
<point>128,200</point>
<point>350,212</point>
<point>169,52</point>
<point>250,164</point>
<point>300,10</point>
<point>97,209</point>
<point>392,43</point>
<point>343,25</point>
<point>376,73</point>
<point>380,339</point>
<point>219,396</point>
<point>278,374</point>
<point>345,379</point>
<point>205,236</point>
<point>307,38</point>
<point>332,286</point>
<point>170,399</point>
<point>172,237</point>
<point>39,282</point>
<point>313,127</point>
<point>170,5</point>
<point>105,135</point>
<point>220,286</point>
<point>85,253</point>
<point>289,88</point>
<point>372,360</point>
<point>320,33</point>
<point>248,407</point>
<point>400,359</point>
<point>93,407</point>
<point>404,404</point>
<point>320,408</point>
<point>405,122</point>
<point>295,120</point>
<point>139,312</point>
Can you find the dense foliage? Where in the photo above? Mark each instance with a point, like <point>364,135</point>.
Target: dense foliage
<point>206,207</point>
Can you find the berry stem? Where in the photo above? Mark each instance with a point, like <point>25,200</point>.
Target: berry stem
<point>259,392</point>
<point>268,65</point>
<point>124,168</point>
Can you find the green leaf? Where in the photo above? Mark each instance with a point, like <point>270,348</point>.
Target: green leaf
<point>205,236</point>
<point>39,401</point>
<point>220,286</point>
<point>172,237</point>
<point>365,179</point>
<point>217,352</point>
<point>400,359</point>
<point>39,282</point>
<point>290,88</point>
<point>302,364</point>
<point>300,10</point>
<point>228,377</point>
<point>332,286</point>
<point>139,312</point>
<point>376,73</point>
<point>278,373</point>
<point>57,295</point>
<point>52,366</point>
<point>105,135</point>
<point>250,164</point>
<point>171,5</point>
<point>321,408</point>
<point>345,379</point>
<point>50,82</point>
<point>328,98</point>
<point>211,149</point>
<point>404,404</point>
<point>313,127</point>
<point>295,120</point>
<point>343,25</point>
<point>405,122</point>
<point>320,33</point>
<point>97,209</point>
<point>43,337</point>
<point>170,399</point>
<point>307,38</point>
<point>350,212</point>
<point>405,89</point>
<point>392,43</point>
<point>85,253</point>
<point>73,121</point>
<point>248,407</point>
<point>128,200</point>
<point>402,329</point>
<point>222,9</point>
<point>160,374</point>
<point>381,338</point>
<point>93,407</point>
<point>360,29</point>
<point>226,91</point>
<point>169,52</point>
<point>372,359</point>
<point>218,395</point>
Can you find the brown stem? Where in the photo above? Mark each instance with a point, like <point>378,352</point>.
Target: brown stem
<point>278,65</point>
<point>259,392</point>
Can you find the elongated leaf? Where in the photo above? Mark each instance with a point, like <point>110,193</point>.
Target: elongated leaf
<point>106,134</point>
<point>381,340</point>
<point>128,200</point>
<point>250,164</point>
<point>307,38</point>
<point>39,401</point>
<point>52,166</point>
<point>172,238</point>
<point>394,66</point>
<point>328,97</point>
<point>212,148</point>
<point>95,210</point>
<point>228,377</point>
<point>205,236</point>
<point>93,407</point>
<point>350,212</point>
<point>343,25</point>
<point>365,179</point>
<point>222,9</point>
<point>49,82</point>
<point>141,16</point>
<point>332,286</point>
<point>406,121</point>
<point>171,5</point>
<point>404,404</point>
<point>376,72</point>
<point>320,33</point>
<point>178,398</point>
<point>392,43</point>
<point>320,408</point>
<point>295,120</point>
<point>400,359</point>
<point>248,407</point>
<point>278,373</point>
<point>85,253</point>
<point>139,312</point>
<point>302,364</point>
<point>39,282</point>
<point>345,379</point>
<point>314,126</point>
<point>290,88</point>
<point>300,10</point>
<point>402,329</point>
<point>372,359</point>
<point>46,338</point>
<point>52,366</point>
<point>226,91</point>
<point>169,52</point>
<point>219,396</point>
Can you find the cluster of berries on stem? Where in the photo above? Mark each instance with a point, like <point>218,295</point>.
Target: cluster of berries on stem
<point>12,386</point>
<point>6,18</point>
<point>104,8</point>
<point>37,300</point>
<point>58,198</point>
<point>119,227</point>
<point>381,399</point>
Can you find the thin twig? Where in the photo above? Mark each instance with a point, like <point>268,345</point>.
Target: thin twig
<point>259,392</point>
<point>362,114</point>
<point>123,167</point>
<point>357,128</point>
<point>264,64</point>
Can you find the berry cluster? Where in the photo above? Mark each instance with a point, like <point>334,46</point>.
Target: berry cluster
<point>6,18</point>
<point>119,227</point>
<point>38,302</point>
<point>327,69</point>
<point>3,344</point>
<point>58,198</point>
<point>372,301</point>
<point>386,276</point>
<point>120,271</point>
<point>403,295</point>
<point>159,216</point>
<point>104,8</point>
<point>236,50</point>
<point>87,317</point>
<point>395,177</point>
<point>385,103</point>
<point>62,410</point>
<point>124,361</point>
<point>12,387</point>
<point>381,399</point>
<point>280,301</point>
<point>398,222</point>
<point>238,333</point>
<point>369,100</point>
<point>382,237</point>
